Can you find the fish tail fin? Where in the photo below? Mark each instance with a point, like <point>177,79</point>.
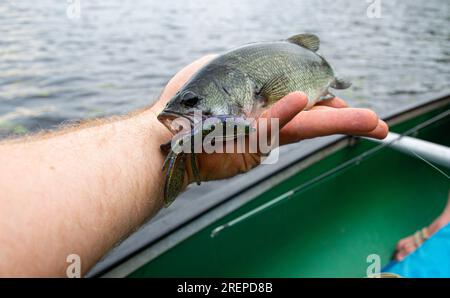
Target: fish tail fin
<point>339,83</point>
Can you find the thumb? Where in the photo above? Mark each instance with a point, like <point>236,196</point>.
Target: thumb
<point>286,108</point>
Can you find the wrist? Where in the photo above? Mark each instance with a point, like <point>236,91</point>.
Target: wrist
<point>158,132</point>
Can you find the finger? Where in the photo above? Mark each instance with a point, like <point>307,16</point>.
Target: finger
<point>335,102</point>
<point>315,123</point>
<point>321,107</point>
<point>285,109</point>
<point>409,248</point>
<point>401,254</point>
<point>380,132</point>
<point>405,251</point>
<point>402,243</point>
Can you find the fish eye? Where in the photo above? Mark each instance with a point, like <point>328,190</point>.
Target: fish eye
<point>190,99</point>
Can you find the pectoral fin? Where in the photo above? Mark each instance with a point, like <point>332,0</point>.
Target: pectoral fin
<point>274,89</point>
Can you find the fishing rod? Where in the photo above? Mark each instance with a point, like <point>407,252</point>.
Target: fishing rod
<point>424,150</point>
<point>401,142</point>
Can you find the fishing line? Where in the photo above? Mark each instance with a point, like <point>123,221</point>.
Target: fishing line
<point>434,119</point>
<point>430,164</point>
<point>328,174</point>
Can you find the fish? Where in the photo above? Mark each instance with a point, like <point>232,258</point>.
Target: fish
<point>243,82</point>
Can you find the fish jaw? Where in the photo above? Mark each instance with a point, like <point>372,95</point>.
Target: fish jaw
<point>167,118</point>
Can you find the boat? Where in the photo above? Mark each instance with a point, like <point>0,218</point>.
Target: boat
<point>323,210</point>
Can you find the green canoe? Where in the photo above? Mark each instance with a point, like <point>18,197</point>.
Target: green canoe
<point>320,211</point>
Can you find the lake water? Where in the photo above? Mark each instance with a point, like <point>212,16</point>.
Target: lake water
<point>119,54</point>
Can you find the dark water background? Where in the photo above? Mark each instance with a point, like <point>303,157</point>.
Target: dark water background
<point>119,54</point>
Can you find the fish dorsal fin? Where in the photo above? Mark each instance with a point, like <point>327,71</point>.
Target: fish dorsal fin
<point>306,40</point>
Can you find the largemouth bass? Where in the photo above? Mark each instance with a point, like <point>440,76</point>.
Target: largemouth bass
<point>242,83</point>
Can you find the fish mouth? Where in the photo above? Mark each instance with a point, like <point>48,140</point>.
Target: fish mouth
<point>167,117</point>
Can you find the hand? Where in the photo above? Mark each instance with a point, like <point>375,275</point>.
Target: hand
<point>325,118</point>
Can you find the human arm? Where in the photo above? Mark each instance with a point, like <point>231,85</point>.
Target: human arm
<point>82,189</point>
